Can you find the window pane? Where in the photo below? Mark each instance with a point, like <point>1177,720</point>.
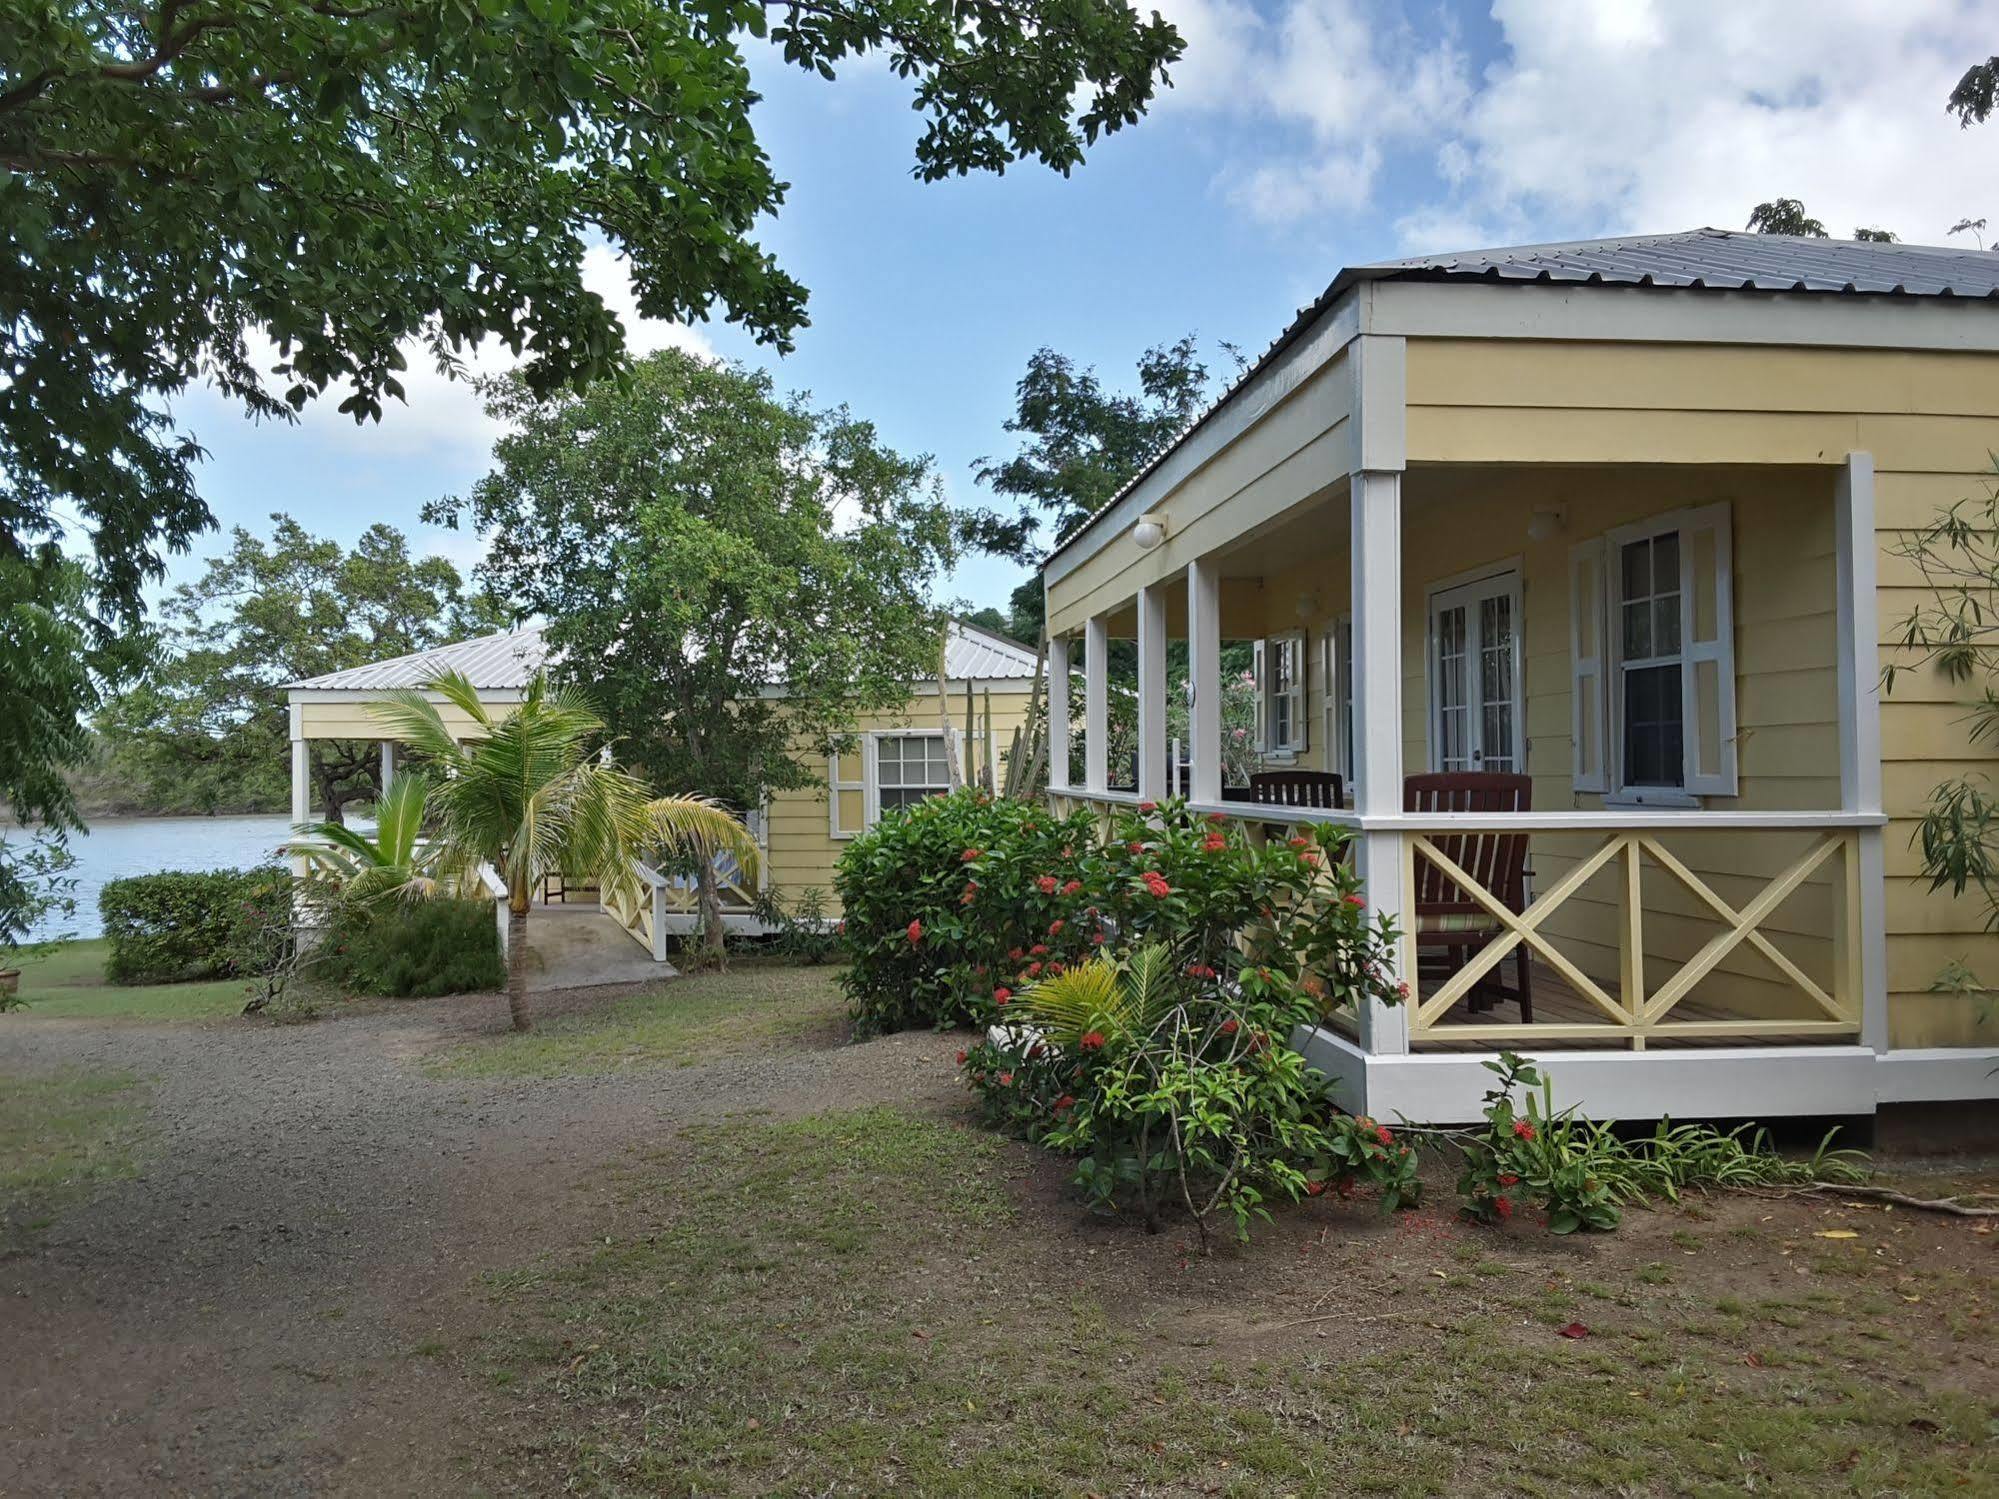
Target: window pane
<point>1653,727</point>
<point>1666,563</point>
<point>1637,569</point>
<point>1637,631</point>
<point>1666,626</point>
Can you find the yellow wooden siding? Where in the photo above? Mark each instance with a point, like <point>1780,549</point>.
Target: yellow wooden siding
<point>1931,422</point>
<point>355,720</point>
<point>801,849</point>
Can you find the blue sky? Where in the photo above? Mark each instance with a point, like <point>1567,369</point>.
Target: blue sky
<point>1301,135</point>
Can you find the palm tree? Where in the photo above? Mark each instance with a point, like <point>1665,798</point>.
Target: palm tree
<point>393,862</point>
<point>533,793</point>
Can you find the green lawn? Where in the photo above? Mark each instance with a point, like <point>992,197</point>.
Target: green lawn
<point>68,984</point>
<point>60,1133</point>
<point>756,1005</point>
<point>873,1302</point>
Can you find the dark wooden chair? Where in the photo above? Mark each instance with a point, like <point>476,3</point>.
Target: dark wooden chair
<point>1448,921</point>
<point>1290,788</point>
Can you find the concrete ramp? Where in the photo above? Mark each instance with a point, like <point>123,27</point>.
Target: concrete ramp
<point>579,947</point>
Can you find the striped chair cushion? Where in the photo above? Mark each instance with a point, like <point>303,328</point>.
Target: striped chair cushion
<point>1455,921</point>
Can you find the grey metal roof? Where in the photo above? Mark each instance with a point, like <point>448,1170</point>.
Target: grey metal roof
<point>503,662</point>
<point>1690,260</point>
<point>1714,259</point>
<point>490,662</point>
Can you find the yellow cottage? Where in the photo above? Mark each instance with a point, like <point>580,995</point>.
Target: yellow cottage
<point>892,758</point>
<point>1572,573</point>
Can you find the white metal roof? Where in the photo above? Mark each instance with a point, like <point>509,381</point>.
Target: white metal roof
<point>495,663</point>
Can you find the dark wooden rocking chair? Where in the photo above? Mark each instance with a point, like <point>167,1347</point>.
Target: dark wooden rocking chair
<point>1290,788</point>
<point>1448,921</point>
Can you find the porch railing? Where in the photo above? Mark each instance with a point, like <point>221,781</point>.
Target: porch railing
<point>640,905</point>
<point>1667,954</point>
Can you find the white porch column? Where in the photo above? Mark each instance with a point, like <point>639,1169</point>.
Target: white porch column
<point>301,768</point>
<point>1152,691</point>
<point>1204,671</point>
<point>1096,704</point>
<point>1058,712</point>
<point>1856,561</point>
<point>1380,366</point>
<point>388,764</point>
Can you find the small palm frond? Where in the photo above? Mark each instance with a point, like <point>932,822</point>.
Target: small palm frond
<point>399,818</point>
<point>696,829</point>
<point>413,718</point>
<point>1084,998</point>
<point>1150,989</point>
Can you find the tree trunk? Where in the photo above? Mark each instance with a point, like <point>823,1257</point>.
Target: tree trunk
<point>517,966</point>
<point>708,896</point>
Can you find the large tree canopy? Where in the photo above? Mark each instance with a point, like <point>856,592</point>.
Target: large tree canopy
<point>695,544</point>
<point>180,179</point>
<point>208,728</point>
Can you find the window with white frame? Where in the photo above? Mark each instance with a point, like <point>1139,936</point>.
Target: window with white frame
<point>1281,668</point>
<point>1652,641</point>
<point>909,767</point>
<point>1336,646</point>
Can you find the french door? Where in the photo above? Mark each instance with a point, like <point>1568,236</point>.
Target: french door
<point>1476,718</point>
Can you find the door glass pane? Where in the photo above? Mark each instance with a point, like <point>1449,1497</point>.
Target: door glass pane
<point>1453,703</point>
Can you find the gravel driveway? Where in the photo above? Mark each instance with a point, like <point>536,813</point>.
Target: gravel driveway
<point>248,1315</point>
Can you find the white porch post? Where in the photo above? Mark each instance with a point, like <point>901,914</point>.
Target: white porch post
<point>1204,670</point>
<point>1096,704</point>
<point>1152,692</point>
<point>1058,712</point>
<point>1376,562</point>
<point>388,764</point>
<point>1860,731</point>
<point>301,768</point>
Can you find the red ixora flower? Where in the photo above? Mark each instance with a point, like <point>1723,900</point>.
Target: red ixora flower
<point>1315,1189</point>
<point>1135,846</point>
<point>1002,994</point>
<point>1097,938</point>
<point>1006,1079</point>
<point>1356,901</point>
<point>1230,1026</point>
<point>1156,883</point>
<point>970,854</point>
<point>1034,969</point>
<point>1091,1041</point>
<point>1297,842</point>
<point>1065,1102</point>
<point>1381,1133</point>
<point>1148,806</point>
<point>1039,950</point>
<point>1218,818</point>
<point>1508,1180</point>
<point>1072,887</point>
<point>1503,1206</point>
<point>1214,843</point>
<point>1056,925</point>
<point>1523,1129</point>
<point>915,933</point>
<point>1015,953</point>
<point>962,1057</point>
<point>971,894</point>
<point>1047,882</point>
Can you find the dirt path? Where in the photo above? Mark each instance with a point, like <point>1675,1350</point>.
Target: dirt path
<point>249,1314</point>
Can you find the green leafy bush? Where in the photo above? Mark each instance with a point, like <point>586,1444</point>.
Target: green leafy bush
<point>945,901</point>
<point>1174,1090</point>
<point>182,925</point>
<point>411,949</point>
<point>1581,1174</point>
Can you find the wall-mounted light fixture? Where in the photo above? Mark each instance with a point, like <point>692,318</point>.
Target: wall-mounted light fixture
<point>1150,530</point>
<point>1546,521</point>
<point>1308,604</point>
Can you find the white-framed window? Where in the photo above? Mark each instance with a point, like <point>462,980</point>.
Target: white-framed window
<point>1336,652</point>
<point>1281,665</point>
<point>1654,660</point>
<point>908,766</point>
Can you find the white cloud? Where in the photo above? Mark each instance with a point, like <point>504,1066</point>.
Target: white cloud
<point>1612,116</point>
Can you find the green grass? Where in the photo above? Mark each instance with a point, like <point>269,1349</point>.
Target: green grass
<point>754,1006</point>
<point>60,1134</point>
<point>871,1302</point>
<point>67,983</point>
